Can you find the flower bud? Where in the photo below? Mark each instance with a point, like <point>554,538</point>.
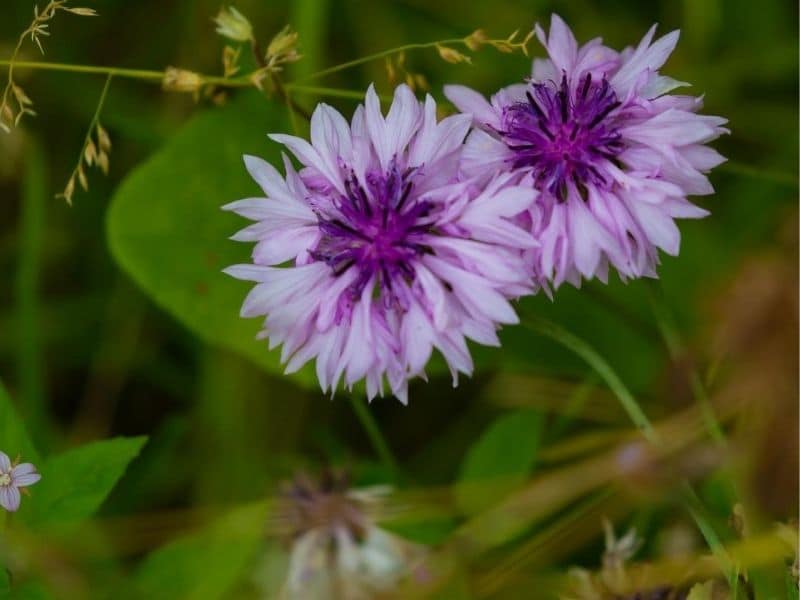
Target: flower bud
<point>452,56</point>
<point>233,25</point>
<point>476,39</point>
<point>181,80</point>
<point>283,45</point>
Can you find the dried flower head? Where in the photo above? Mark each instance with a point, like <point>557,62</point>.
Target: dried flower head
<point>476,40</point>
<point>398,72</point>
<point>233,25</point>
<point>386,254</point>
<point>613,581</point>
<point>336,550</point>
<point>283,48</point>
<point>618,550</point>
<point>451,55</point>
<point>10,116</point>
<point>14,477</point>
<point>81,12</point>
<point>96,148</point>
<point>230,61</point>
<point>611,152</point>
<point>511,44</point>
<point>181,80</point>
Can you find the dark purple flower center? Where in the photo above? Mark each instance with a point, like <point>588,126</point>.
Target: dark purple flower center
<point>377,229</point>
<point>564,135</point>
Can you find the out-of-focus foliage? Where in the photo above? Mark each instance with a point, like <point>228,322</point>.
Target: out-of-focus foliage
<point>501,459</point>
<point>167,229</point>
<point>76,482</point>
<point>116,322</point>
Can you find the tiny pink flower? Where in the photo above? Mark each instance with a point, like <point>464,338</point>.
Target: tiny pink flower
<point>613,154</point>
<point>12,478</point>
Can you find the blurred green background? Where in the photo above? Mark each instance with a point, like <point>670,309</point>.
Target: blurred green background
<point>116,319</point>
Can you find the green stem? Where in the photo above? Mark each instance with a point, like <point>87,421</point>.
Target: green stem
<point>778,177</point>
<point>690,499</point>
<point>676,349</point>
<point>377,55</point>
<point>694,505</point>
<point>158,76</point>
<point>141,74</point>
<point>48,66</point>
<point>330,92</point>
<point>374,434</point>
<point>600,365</point>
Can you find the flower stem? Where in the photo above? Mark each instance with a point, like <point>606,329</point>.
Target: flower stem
<point>778,177</point>
<point>330,92</point>
<point>377,55</point>
<point>374,434</point>
<point>676,349</point>
<point>689,497</point>
<point>141,74</point>
<point>158,76</point>
<point>88,137</point>
<point>600,365</point>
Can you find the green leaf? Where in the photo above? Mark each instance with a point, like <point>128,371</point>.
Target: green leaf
<point>694,505</point>
<point>595,360</point>
<point>167,230</point>
<point>14,438</point>
<point>75,483</point>
<point>30,590</point>
<point>5,582</point>
<point>428,532</point>
<point>500,460</point>
<point>206,564</point>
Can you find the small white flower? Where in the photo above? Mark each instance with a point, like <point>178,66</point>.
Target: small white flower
<point>336,551</point>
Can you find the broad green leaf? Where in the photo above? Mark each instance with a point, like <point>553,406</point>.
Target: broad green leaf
<point>206,564</point>
<point>14,438</point>
<point>500,460</point>
<point>75,483</point>
<point>167,230</point>
<point>29,590</point>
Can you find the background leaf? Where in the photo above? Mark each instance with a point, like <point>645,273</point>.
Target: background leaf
<point>75,483</point>
<point>167,230</point>
<point>206,564</point>
<point>14,438</point>
<point>500,460</point>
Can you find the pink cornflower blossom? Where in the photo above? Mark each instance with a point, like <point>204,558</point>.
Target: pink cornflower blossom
<point>613,154</point>
<point>374,253</point>
<point>12,478</point>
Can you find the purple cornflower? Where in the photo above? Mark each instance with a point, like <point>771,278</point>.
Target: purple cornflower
<point>611,152</point>
<point>12,478</point>
<point>375,252</point>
